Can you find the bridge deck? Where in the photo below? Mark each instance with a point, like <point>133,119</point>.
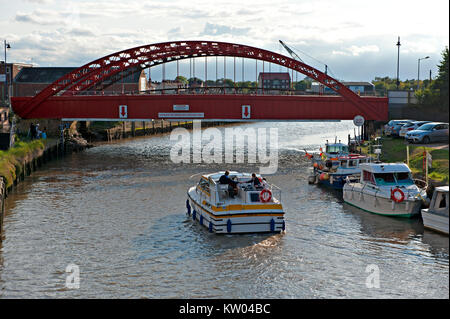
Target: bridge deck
<point>204,106</point>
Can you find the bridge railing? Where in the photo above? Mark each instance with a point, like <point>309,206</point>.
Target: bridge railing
<point>215,90</point>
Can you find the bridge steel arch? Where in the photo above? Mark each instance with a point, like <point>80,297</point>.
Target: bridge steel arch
<point>138,58</point>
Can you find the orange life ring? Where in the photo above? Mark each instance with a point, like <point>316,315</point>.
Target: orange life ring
<point>397,198</point>
<point>265,195</point>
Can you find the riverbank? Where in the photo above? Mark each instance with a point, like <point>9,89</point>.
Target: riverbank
<point>395,150</point>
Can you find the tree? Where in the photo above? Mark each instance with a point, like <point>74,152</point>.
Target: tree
<point>181,79</point>
<point>441,82</point>
<point>436,95</point>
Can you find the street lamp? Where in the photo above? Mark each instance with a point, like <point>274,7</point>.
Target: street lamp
<point>7,46</point>
<point>418,70</point>
<point>398,61</point>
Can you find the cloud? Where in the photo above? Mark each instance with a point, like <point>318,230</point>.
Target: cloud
<point>355,50</point>
<point>217,29</point>
<point>40,1</point>
<point>70,17</point>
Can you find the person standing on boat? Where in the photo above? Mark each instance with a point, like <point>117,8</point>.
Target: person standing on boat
<point>232,185</point>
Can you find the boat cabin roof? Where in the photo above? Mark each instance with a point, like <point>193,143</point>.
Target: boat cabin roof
<point>442,189</point>
<point>385,167</point>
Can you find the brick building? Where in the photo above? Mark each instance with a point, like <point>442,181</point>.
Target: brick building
<point>12,70</point>
<point>274,80</point>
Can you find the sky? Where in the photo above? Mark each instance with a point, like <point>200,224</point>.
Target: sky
<point>356,39</point>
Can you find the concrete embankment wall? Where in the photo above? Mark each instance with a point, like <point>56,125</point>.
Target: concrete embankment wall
<point>138,128</point>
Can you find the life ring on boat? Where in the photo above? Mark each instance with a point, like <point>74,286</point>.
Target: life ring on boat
<point>397,195</point>
<point>265,195</point>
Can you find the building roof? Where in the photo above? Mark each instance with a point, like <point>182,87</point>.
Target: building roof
<point>274,76</point>
<point>51,74</point>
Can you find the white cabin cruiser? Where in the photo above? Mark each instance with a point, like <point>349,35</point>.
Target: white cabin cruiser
<point>436,216</point>
<point>254,209</point>
<point>385,189</point>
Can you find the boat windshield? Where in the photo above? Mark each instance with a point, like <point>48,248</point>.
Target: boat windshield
<point>335,149</point>
<point>393,178</point>
<point>404,178</point>
<point>384,178</point>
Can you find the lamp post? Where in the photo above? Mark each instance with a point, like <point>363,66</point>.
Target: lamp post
<point>418,70</point>
<point>398,61</point>
<point>7,46</point>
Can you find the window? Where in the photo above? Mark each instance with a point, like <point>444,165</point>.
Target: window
<point>443,201</point>
<point>254,197</point>
<point>204,185</point>
<point>368,177</point>
<point>344,164</point>
<point>352,163</point>
<point>426,127</point>
<point>404,177</point>
<point>384,178</point>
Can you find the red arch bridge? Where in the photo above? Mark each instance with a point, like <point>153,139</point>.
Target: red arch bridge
<point>78,94</point>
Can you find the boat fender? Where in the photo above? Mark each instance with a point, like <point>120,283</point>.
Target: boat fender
<point>188,206</point>
<point>284,226</point>
<point>229,226</point>
<point>201,219</point>
<point>272,225</point>
<point>397,195</point>
<point>210,227</point>
<point>193,214</point>
<point>265,195</point>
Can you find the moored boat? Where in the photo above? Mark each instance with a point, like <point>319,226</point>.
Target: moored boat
<point>245,209</point>
<point>385,189</point>
<point>436,216</point>
<point>332,167</point>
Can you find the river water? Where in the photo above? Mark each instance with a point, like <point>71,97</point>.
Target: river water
<point>117,211</point>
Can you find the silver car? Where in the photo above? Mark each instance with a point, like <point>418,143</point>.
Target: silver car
<point>410,127</point>
<point>429,132</point>
<point>393,126</point>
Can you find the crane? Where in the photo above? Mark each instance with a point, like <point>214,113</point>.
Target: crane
<point>296,57</point>
<point>292,53</point>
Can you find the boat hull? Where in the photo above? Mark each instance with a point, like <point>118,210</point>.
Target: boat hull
<point>337,182</point>
<point>380,205</point>
<point>435,222</point>
<point>236,221</point>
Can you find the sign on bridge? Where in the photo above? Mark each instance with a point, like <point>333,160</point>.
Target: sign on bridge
<point>245,111</point>
<point>123,111</point>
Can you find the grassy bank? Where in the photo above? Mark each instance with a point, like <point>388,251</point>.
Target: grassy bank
<point>12,161</point>
<point>394,151</point>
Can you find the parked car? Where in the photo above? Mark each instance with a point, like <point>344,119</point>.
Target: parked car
<point>410,127</point>
<point>389,125</point>
<point>429,132</point>
<point>393,127</point>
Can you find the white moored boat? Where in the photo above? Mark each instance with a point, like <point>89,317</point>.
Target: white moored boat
<point>436,216</point>
<point>251,210</point>
<point>385,189</point>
